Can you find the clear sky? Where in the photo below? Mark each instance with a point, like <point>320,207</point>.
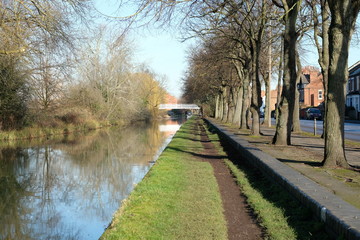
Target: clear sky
<point>165,55</point>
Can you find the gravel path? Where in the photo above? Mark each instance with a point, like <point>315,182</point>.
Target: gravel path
<point>240,220</point>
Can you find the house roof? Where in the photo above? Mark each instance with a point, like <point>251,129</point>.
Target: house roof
<point>355,72</point>
<point>354,67</point>
<point>304,78</point>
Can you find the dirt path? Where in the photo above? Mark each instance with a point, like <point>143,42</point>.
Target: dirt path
<point>241,223</point>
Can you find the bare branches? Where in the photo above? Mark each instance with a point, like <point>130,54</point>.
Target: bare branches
<point>24,22</point>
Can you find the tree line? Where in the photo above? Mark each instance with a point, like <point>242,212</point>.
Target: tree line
<point>243,41</point>
<point>229,65</point>
<point>57,66</point>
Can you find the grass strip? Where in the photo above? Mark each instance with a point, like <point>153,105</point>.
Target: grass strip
<point>278,212</point>
<point>178,199</point>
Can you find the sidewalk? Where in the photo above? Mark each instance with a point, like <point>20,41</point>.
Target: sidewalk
<point>316,145</point>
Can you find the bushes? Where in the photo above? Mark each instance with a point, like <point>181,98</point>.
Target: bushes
<point>91,125</point>
<point>45,125</point>
<point>13,94</point>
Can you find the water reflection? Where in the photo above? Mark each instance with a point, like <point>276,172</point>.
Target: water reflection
<point>70,189</point>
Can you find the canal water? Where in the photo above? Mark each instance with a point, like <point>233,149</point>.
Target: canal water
<point>70,188</point>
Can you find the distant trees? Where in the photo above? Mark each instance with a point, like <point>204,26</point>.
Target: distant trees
<point>110,86</point>
<point>52,73</point>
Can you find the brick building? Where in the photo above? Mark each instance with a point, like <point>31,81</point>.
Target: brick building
<point>169,99</point>
<point>273,98</point>
<point>311,87</point>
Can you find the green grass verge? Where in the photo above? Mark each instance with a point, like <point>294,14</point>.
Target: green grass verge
<point>178,198</point>
<point>277,211</point>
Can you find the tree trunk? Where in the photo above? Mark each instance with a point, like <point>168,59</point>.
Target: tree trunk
<point>256,101</point>
<point>221,105</point>
<point>324,60</point>
<point>278,97</point>
<point>217,102</point>
<point>296,114</point>
<point>267,111</point>
<point>232,100</point>
<point>245,105</point>
<point>241,94</point>
<point>225,104</point>
<point>248,112</point>
<point>286,107</point>
<point>238,105</point>
<point>343,17</point>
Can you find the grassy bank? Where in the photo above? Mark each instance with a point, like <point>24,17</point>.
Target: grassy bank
<point>277,211</point>
<point>178,199</point>
<point>59,129</point>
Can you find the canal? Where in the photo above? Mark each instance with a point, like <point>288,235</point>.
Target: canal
<point>70,188</point>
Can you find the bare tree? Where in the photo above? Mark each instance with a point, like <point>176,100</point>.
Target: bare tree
<point>286,105</point>
<point>33,32</point>
<point>343,18</point>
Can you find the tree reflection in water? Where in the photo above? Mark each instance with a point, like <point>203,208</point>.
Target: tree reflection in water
<point>70,189</point>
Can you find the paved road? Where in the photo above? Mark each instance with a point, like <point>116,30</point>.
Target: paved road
<point>352,130</point>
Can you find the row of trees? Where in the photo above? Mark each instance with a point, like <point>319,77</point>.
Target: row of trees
<point>55,68</point>
<point>241,41</point>
<point>236,34</point>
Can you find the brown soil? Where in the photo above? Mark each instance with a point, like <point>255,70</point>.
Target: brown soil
<point>240,219</point>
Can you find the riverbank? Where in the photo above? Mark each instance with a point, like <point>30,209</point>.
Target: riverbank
<point>180,198</point>
<point>59,129</point>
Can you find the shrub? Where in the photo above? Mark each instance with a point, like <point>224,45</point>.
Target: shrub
<point>91,124</point>
<point>71,118</point>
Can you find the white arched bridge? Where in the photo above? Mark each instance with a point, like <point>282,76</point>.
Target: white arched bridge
<point>179,106</point>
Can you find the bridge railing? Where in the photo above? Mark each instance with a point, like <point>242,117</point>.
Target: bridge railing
<point>179,106</point>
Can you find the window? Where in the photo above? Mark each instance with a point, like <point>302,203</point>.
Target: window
<point>320,94</point>
<point>301,95</point>
<point>354,83</point>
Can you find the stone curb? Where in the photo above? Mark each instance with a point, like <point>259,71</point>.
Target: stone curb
<point>341,219</point>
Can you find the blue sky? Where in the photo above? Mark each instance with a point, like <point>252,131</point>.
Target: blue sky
<point>165,55</point>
